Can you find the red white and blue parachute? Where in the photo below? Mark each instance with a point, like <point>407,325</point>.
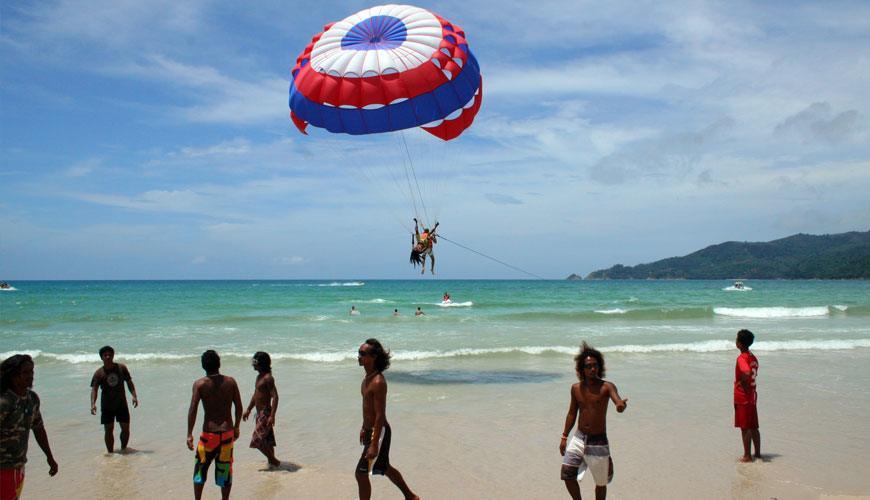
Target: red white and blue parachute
<point>387,68</point>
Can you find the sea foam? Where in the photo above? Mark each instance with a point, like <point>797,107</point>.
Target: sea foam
<point>706,346</point>
<point>612,311</point>
<point>772,312</point>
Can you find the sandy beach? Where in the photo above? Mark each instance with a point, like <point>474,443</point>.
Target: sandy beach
<point>490,440</point>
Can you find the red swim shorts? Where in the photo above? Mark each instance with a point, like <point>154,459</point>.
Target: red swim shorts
<point>11,483</point>
<point>746,416</point>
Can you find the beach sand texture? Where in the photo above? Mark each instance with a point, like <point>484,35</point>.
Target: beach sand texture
<point>495,440</point>
<point>477,395</point>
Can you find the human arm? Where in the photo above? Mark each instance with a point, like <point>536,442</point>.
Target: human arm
<point>744,377</point>
<point>42,440</point>
<point>93,400</point>
<point>191,414</point>
<point>570,419</point>
<point>250,405</point>
<point>131,387</point>
<point>379,395</point>
<point>237,404</point>
<point>274,399</point>
<point>614,396</point>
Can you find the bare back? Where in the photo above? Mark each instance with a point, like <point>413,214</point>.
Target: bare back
<point>217,393</point>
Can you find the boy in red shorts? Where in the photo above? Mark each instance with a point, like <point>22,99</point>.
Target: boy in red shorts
<point>745,397</point>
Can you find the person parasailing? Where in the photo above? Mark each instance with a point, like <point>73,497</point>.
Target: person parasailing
<point>424,244</point>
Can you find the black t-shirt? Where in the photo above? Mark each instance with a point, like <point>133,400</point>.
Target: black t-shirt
<point>111,384</point>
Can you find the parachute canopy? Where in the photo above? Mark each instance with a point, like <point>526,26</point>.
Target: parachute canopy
<point>387,68</point>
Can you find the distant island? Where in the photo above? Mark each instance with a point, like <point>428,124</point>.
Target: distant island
<point>801,256</point>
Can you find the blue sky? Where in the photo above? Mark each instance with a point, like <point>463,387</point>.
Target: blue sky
<point>150,140</point>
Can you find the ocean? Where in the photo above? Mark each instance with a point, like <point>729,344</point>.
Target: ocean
<point>309,321</point>
<point>472,383</point>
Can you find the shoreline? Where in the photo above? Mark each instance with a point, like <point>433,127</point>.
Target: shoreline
<point>487,439</point>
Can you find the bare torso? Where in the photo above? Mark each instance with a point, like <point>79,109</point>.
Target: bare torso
<point>263,391</point>
<point>216,393</point>
<point>368,387</point>
<point>592,399</point>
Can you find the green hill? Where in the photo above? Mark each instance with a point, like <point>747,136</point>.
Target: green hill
<point>802,256</point>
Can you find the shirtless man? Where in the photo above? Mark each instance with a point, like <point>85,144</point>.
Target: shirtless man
<point>588,447</point>
<point>265,398</point>
<point>110,378</point>
<point>374,435</point>
<point>217,393</point>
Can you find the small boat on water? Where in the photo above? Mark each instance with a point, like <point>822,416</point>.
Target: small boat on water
<point>6,286</point>
<point>738,286</point>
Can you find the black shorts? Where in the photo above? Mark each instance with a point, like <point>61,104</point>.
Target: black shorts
<point>122,415</point>
<point>382,461</point>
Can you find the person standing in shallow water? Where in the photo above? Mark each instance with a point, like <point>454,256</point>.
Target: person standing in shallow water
<point>19,413</point>
<point>375,434</point>
<point>588,448</point>
<point>745,397</point>
<point>219,429</point>
<point>110,378</point>
<point>265,399</point>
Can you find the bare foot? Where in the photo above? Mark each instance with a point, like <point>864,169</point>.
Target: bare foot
<point>745,459</point>
<point>276,463</point>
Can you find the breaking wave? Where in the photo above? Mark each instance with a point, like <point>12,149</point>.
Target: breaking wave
<point>706,346</point>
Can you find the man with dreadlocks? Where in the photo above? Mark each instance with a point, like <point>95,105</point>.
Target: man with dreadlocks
<point>423,243</point>
<point>265,398</point>
<point>588,447</point>
<point>19,413</point>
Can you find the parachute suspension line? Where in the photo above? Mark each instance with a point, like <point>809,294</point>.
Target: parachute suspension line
<point>416,183</point>
<point>441,236</point>
<point>410,188</point>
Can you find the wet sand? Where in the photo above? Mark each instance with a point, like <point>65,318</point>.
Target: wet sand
<point>487,429</point>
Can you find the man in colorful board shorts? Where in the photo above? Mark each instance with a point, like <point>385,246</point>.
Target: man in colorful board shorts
<point>19,413</point>
<point>745,396</point>
<point>214,447</point>
<point>218,393</point>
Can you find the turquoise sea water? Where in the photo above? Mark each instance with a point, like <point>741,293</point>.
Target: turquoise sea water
<point>309,321</point>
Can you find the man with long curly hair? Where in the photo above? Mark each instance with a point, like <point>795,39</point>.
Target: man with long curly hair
<point>588,447</point>
<point>375,434</point>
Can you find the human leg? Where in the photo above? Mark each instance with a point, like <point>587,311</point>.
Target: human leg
<point>573,487</point>
<point>364,485</point>
<point>109,436</point>
<point>746,436</point>
<point>756,438</point>
<point>125,435</point>
<point>397,479</point>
